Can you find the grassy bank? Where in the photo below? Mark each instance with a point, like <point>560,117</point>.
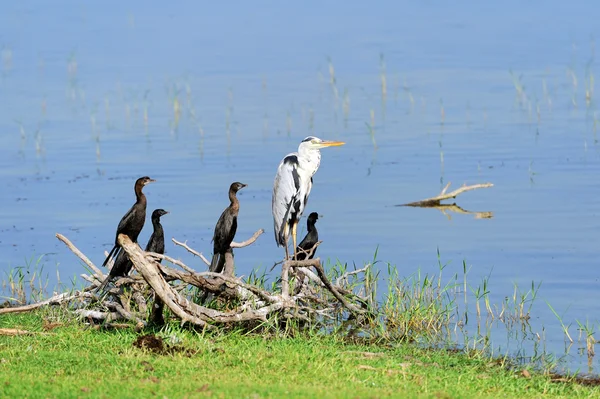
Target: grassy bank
<point>70,360</point>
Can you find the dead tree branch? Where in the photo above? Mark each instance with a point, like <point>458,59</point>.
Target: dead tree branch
<point>80,255</point>
<point>310,251</point>
<point>151,274</point>
<point>218,284</point>
<point>191,250</point>
<point>55,300</point>
<point>97,315</point>
<point>249,241</point>
<point>234,300</point>
<point>344,277</point>
<point>173,261</point>
<point>316,263</point>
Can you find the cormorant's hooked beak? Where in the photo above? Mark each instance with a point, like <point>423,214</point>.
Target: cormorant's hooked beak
<point>327,143</point>
<point>149,181</point>
<point>243,185</point>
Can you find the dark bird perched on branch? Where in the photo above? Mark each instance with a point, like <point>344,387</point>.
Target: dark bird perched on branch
<point>121,267</point>
<point>156,244</point>
<point>311,238</point>
<point>292,186</point>
<point>132,223</point>
<point>225,229</point>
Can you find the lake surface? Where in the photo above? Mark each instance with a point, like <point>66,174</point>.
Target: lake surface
<point>198,95</point>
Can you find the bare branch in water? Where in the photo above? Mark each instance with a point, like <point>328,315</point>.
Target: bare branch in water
<point>435,202</point>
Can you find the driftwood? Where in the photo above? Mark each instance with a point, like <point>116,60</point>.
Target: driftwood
<point>435,202</point>
<point>430,202</point>
<point>447,208</point>
<point>303,294</point>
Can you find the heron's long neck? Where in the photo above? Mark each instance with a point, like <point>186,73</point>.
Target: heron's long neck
<point>310,161</point>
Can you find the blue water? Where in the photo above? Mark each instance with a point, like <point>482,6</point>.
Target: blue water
<point>89,93</point>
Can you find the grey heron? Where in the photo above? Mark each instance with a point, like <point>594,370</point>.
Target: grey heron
<point>225,229</point>
<point>293,183</point>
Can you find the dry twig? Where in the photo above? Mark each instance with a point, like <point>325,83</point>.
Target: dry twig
<point>55,300</point>
<point>248,241</point>
<point>191,250</point>
<point>80,254</point>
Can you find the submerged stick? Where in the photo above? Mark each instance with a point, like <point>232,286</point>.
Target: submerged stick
<point>433,201</point>
<point>457,209</point>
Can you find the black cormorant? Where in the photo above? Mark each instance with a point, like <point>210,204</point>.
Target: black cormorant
<point>132,223</point>
<point>156,244</point>
<point>225,229</point>
<point>311,238</point>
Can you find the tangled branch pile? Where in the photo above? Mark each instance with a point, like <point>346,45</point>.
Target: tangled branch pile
<point>301,293</point>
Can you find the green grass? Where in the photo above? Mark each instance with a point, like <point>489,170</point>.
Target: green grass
<point>73,361</point>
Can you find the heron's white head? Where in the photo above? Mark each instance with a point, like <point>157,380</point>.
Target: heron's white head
<point>315,143</point>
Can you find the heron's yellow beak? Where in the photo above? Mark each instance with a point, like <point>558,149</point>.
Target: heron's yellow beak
<point>327,143</point>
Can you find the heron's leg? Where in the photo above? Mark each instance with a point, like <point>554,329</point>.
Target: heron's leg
<point>286,235</point>
<point>294,237</point>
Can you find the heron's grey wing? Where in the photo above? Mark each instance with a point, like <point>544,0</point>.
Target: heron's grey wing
<point>285,192</point>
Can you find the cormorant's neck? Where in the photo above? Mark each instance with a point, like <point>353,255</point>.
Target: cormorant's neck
<point>139,195</point>
<point>310,226</point>
<point>156,225</point>
<point>235,204</point>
